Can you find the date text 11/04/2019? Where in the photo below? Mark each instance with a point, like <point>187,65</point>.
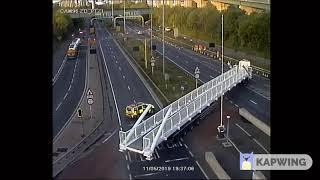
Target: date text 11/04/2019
<point>81,11</point>
<point>168,168</point>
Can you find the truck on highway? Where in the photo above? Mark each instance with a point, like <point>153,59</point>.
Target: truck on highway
<point>92,30</point>
<point>134,110</point>
<point>73,49</point>
<point>199,48</point>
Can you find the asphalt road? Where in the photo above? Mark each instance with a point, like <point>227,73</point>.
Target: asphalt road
<point>255,97</point>
<point>129,88</point>
<point>67,90</point>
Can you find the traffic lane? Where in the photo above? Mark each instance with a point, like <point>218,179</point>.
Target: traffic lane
<point>203,139</point>
<point>60,88</point>
<point>139,91</point>
<point>257,106</point>
<point>59,56</point>
<point>257,82</point>
<point>167,156</point>
<point>191,63</point>
<point>254,102</point>
<point>121,91</point>
<point>72,96</point>
<point>103,162</point>
<point>128,87</point>
<point>188,65</point>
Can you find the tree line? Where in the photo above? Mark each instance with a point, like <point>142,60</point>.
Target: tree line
<point>240,30</point>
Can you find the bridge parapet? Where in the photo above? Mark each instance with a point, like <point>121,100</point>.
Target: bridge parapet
<point>181,111</point>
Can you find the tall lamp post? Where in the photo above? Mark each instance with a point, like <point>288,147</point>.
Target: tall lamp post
<point>124,16</point>
<point>221,128</point>
<point>163,38</point>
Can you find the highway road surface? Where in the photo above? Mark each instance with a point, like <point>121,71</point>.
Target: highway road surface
<point>255,97</point>
<point>68,88</point>
<point>105,161</point>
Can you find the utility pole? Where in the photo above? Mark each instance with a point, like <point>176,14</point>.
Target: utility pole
<point>221,126</point>
<point>151,28</point>
<point>163,38</point>
<point>124,16</point>
<point>112,9</point>
<point>145,53</point>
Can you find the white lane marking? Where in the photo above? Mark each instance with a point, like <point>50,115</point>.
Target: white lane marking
<point>130,177</point>
<point>115,101</point>
<point>119,68</point>
<point>114,56</point>
<point>261,146</point>
<point>180,143</point>
<point>181,139</point>
<point>234,145</point>
<point>58,106</point>
<point>251,89</point>
<point>128,167</point>
<point>253,138</point>
<point>117,62</point>
<point>236,105</point>
<point>129,157</point>
<point>59,70</point>
<point>242,129</point>
<point>180,66</point>
<point>64,97</point>
<point>179,159</point>
<point>140,157</point>
<point>126,157</point>
<point>190,153</point>
<point>129,88</point>
<point>110,136</point>
<point>150,174</point>
<point>123,77</point>
<point>202,170</point>
<point>185,146</point>
<point>156,153</point>
<point>252,101</point>
<point>230,101</point>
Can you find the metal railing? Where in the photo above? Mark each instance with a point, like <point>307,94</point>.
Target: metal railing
<point>233,77</point>
<point>183,109</point>
<point>156,119</point>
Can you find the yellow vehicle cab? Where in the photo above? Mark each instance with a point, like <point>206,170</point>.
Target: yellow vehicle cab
<point>135,110</point>
<point>72,51</point>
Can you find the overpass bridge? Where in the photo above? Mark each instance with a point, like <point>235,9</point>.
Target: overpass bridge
<point>145,135</point>
<point>87,13</point>
<point>257,4</point>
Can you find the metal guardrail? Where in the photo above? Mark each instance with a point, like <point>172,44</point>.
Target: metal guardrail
<point>186,113</point>
<point>68,157</point>
<point>256,69</point>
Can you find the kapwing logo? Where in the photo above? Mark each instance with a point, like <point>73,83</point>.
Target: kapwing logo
<point>246,161</point>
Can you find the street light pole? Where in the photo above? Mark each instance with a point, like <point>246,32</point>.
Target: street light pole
<point>221,68</point>
<point>151,28</point>
<point>124,16</point>
<point>163,38</point>
<point>228,117</point>
<point>112,9</point>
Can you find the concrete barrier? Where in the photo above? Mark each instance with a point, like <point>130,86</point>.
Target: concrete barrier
<point>258,175</point>
<point>215,166</point>
<point>255,121</point>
